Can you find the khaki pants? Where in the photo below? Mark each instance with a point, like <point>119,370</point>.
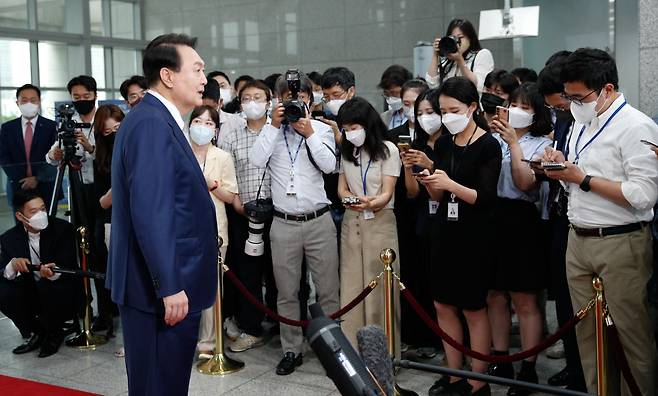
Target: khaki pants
<point>624,264</point>
<point>361,243</point>
<point>207,325</point>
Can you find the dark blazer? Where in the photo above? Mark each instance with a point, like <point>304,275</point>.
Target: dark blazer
<point>56,245</point>
<point>164,233</point>
<point>12,153</point>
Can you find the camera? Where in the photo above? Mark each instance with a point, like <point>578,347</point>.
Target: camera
<point>258,211</point>
<point>449,45</point>
<point>294,109</point>
<point>66,133</point>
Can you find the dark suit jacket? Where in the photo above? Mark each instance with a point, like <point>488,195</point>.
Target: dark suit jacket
<point>164,232</point>
<point>12,153</point>
<point>56,245</point>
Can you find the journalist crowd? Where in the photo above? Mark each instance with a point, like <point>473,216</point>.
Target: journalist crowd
<point>497,189</point>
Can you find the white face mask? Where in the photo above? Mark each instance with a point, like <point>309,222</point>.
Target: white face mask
<point>585,112</point>
<point>254,110</point>
<point>317,97</point>
<point>226,94</point>
<point>409,113</point>
<point>334,105</point>
<point>456,122</point>
<point>201,134</point>
<point>431,123</point>
<point>394,103</point>
<point>29,110</point>
<point>357,137</point>
<point>39,221</point>
<point>518,118</point>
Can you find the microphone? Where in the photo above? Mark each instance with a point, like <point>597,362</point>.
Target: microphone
<point>373,348</point>
<point>339,359</point>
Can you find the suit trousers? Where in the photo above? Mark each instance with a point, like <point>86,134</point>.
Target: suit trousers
<point>291,242</point>
<point>159,357</point>
<point>624,263</point>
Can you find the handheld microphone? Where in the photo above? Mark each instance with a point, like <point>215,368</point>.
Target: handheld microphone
<point>339,359</point>
<point>371,341</point>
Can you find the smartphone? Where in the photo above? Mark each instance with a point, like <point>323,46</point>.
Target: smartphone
<point>318,114</point>
<point>502,113</point>
<point>404,143</point>
<point>553,166</point>
<point>419,174</point>
<point>532,162</point>
<point>648,143</point>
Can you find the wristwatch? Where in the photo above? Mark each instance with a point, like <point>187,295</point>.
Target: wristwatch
<point>585,184</point>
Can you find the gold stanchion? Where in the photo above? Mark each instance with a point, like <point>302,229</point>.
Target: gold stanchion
<point>219,363</point>
<point>387,256</point>
<point>601,342</point>
<point>86,339</point>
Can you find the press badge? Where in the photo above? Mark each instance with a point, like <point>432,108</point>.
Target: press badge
<point>453,209</point>
<point>433,207</point>
<point>290,190</point>
<point>368,215</point>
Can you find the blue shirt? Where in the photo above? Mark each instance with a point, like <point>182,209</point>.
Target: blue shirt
<point>397,119</point>
<point>532,147</point>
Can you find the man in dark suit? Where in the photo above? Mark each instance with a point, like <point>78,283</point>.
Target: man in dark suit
<point>37,302</point>
<point>163,250</point>
<point>23,163</point>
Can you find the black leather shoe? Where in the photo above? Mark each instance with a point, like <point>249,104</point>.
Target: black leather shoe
<point>503,370</point>
<point>560,379</point>
<point>484,391</point>
<point>31,344</point>
<point>526,375</point>
<point>101,325</point>
<point>71,328</point>
<point>288,364</point>
<point>50,346</point>
<point>439,385</point>
<point>459,388</point>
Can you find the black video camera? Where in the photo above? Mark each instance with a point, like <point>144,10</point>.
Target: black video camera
<point>449,45</point>
<point>294,109</point>
<point>66,133</point>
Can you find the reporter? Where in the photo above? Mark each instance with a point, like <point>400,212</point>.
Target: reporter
<point>370,165</point>
<point>464,185</point>
<point>133,90</point>
<point>393,78</point>
<point>219,172</point>
<point>518,269</point>
<point>470,60</point>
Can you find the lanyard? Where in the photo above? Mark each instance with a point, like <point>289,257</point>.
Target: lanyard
<point>582,130</point>
<point>35,252</point>
<point>292,159</point>
<point>365,176</point>
<point>453,171</point>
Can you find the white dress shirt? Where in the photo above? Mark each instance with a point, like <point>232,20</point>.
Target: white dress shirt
<point>617,155</point>
<point>33,241</point>
<point>34,125</point>
<point>308,182</point>
<point>173,110</point>
<point>87,159</point>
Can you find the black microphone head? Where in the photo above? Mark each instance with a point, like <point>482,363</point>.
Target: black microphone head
<point>373,348</point>
<point>316,311</point>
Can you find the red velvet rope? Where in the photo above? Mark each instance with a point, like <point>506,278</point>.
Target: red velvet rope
<point>552,339</point>
<point>291,322</point>
<point>622,361</point>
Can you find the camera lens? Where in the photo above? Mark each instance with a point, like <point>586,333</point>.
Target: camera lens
<point>448,45</point>
<point>293,111</point>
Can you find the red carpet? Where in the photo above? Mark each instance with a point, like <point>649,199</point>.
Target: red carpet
<point>10,386</point>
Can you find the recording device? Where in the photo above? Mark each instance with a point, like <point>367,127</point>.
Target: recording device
<point>404,143</point>
<point>349,201</point>
<point>339,359</point>
<point>66,133</point>
<point>258,212</point>
<point>449,45</point>
<point>371,341</point>
<point>502,113</point>
<point>553,166</point>
<point>294,109</point>
<point>80,273</point>
<point>648,143</point>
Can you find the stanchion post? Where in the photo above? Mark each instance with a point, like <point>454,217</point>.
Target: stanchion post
<point>601,342</point>
<point>86,339</point>
<point>219,363</point>
<point>387,256</point>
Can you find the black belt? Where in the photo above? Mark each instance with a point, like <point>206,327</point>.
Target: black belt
<point>302,217</point>
<point>607,231</point>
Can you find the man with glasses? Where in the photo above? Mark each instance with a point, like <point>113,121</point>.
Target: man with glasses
<point>133,90</point>
<point>612,182</point>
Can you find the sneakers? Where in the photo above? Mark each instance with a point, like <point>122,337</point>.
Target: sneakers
<point>246,342</point>
<point>556,351</point>
<point>426,352</point>
<point>232,329</point>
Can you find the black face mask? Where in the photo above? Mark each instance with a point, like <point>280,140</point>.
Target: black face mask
<point>84,106</point>
<point>490,102</point>
<point>110,139</point>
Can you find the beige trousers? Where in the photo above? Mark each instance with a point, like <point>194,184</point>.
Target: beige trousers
<point>624,263</point>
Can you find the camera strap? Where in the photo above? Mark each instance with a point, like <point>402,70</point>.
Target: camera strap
<point>262,179</point>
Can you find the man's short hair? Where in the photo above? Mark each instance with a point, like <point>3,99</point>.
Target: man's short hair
<point>593,67</point>
<point>256,84</point>
<point>525,74</point>
<point>162,52</point>
<point>215,73</point>
<point>28,86</point>
<point>394,75</point>
<point>211,90</point>
<point>340,76</point>
<point>417,85</point>
<point>315,77</point>
<point>133,80</point>
<point>21,197</point>
<point>86,81</point>
<point>549,81</point>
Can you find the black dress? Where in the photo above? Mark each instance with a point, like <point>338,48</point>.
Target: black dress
<point>462,253</point>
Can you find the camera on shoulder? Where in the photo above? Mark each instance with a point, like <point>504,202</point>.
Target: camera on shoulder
<point>294,109</point>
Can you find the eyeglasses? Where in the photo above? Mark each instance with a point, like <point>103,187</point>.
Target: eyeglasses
<point>554,108</point>
<point>578,101</point>
<point>247,99</point>
<point>335,95</point>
